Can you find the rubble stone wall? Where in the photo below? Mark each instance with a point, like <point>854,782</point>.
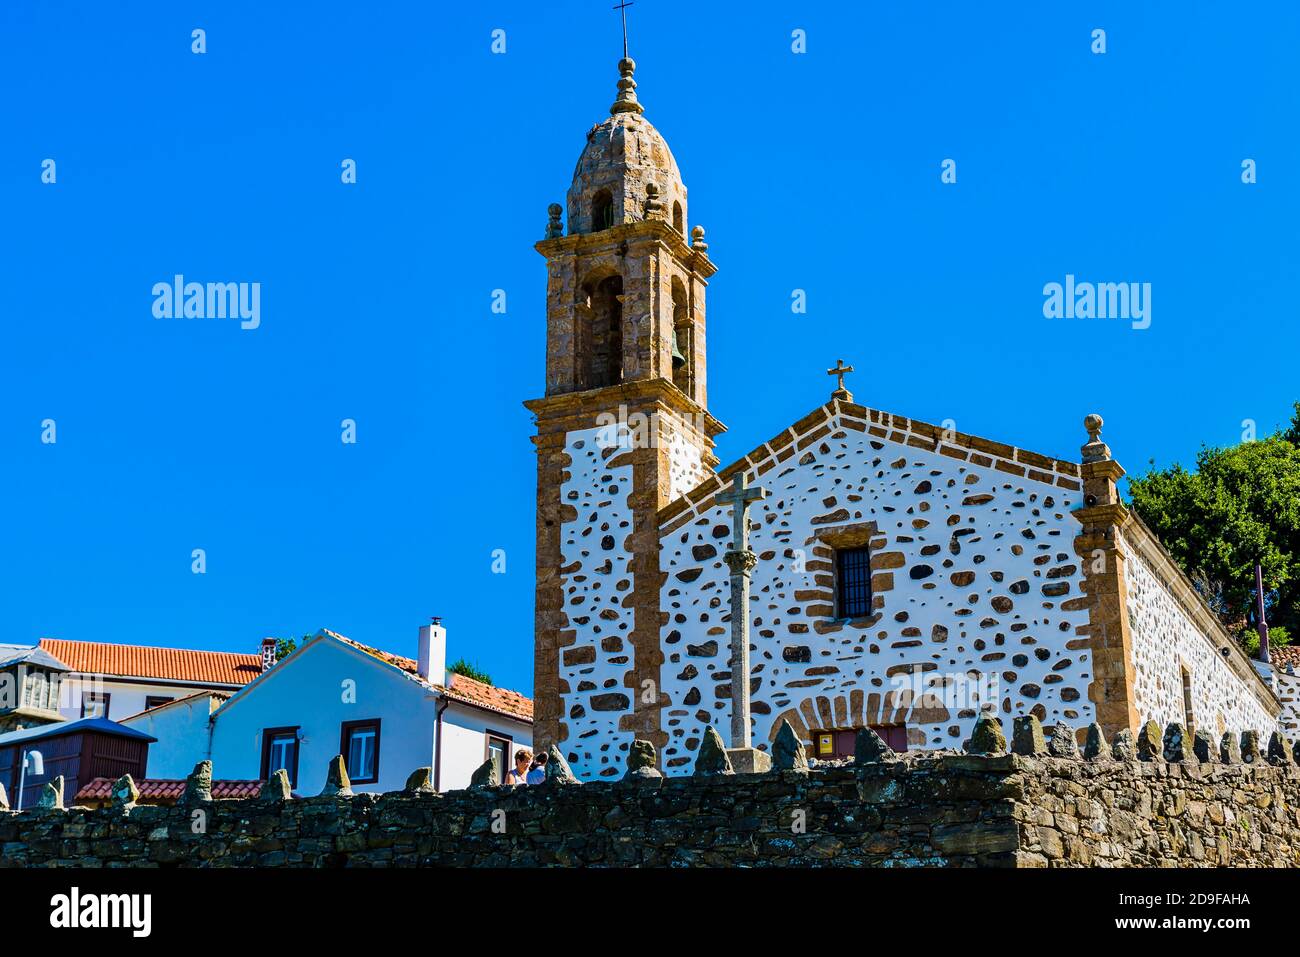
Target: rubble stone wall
<point>943,811</point>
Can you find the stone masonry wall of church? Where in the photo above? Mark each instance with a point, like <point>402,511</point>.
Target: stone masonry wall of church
<point>974,577</point>
<point>598,581</point>
<point>1166,640</point>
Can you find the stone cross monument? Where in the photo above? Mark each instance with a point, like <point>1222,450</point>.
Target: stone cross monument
<point>741,561</point>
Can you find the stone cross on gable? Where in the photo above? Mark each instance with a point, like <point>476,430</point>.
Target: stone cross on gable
<point>840,370</point>
<point>740,560</point>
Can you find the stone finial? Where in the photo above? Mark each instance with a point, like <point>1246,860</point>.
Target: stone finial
<point>1121,746</point>
<point>557,769</point>
<point>712,759</point>
<point>1203,747</point>
<point>52,794</point>
<point>987,737</point>
<point>870,748</point>
<point>1229,749</point>
<point>1177,742</point>
<point>788,753</point>
<point>641,761</point>
<point>653,207</point>
<point>1150,742</point>
<point>124,793</point>
<point>1027,736</point>
<point>1094,746</point>
<point>1095,450</point>
<point>419,781</point>
<point>337,783</point>
<point>626,101</point>
<point>484,775</point>
<point>1279,749</point>
<point>697,240</point>
<point>1250,753</point>
<point>554,226</point>
<point>198,786</point>
<point>1063,743</point>
<point>276,787</point>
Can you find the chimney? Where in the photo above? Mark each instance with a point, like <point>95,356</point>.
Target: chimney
<point>268,653</point>
<point>433,652</point>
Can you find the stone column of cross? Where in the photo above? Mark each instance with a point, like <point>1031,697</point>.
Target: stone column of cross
<point>741,561</point>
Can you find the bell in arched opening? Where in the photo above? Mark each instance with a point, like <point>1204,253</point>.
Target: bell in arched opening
<point>679,360</point>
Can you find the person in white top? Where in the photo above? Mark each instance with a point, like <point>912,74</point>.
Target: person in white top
<point>519,773</point>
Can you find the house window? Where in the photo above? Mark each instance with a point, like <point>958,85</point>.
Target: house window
<point>853,582</point>
<point>498,751</point>
<point>94,704</point>
<point>359,745</point>
<point>1188,717</point>
<point>156,701</point>
<point>280,750</point>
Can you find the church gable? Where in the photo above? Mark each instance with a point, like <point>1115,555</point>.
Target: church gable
<point>976,593</point>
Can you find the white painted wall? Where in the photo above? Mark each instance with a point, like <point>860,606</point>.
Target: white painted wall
<point>126,697</point>
<point>182,733</point>
<point>464,741</point>
<point>319,687</point>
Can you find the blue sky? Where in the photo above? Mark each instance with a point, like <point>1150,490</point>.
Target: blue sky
<point>818,171</point>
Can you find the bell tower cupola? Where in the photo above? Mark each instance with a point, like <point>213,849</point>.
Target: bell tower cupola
<point>626,287</point>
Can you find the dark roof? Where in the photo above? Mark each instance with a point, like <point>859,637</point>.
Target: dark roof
<point>82,725</point>
<point>34,655</point>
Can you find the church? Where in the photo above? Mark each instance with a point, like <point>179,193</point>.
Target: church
<point>897,575</point>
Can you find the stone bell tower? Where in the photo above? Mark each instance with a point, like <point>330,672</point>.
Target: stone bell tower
<point>621,431</point>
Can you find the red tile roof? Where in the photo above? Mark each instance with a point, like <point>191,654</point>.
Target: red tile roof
<point>168,664</point>
<point>463,689</point>
<point>1281,657</point>
<point>501,700</point>
<point>164,791</point>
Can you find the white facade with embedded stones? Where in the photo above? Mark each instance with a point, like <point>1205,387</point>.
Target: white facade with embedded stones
<point>972,570</point>
<point>1166,644</point>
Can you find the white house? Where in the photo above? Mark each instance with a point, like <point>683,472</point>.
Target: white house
<point>114,681</point>
<point>384,713</point>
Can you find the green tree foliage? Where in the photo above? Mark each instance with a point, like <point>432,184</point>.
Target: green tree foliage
<point>470,670</point>
<point>1239,505</point>
<point>284,647</point>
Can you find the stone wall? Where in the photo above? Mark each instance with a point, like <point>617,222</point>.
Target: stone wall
<point>926,810</point>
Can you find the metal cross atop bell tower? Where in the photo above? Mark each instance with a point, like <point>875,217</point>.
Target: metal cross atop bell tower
<point>621,7</point>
